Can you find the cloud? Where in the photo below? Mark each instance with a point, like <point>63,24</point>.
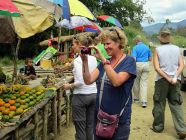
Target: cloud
<point>160,10</point>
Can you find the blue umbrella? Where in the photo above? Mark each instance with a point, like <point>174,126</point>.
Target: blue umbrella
<point>66,9</point>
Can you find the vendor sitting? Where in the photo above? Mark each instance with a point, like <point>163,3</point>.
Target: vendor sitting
<point>29,70</point>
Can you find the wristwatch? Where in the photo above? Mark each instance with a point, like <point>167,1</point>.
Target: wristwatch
<point>106,62</point>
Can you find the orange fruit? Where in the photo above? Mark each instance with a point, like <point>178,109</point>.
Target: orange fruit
<point>11,102</point>
<point>22,93</point>
<point>2,108</point>
<point>6,111</point>
<point>7,105</point>
<point>12,108</point>
<point>2,103</point>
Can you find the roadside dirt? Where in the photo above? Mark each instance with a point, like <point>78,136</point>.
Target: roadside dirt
<point>142,120</point>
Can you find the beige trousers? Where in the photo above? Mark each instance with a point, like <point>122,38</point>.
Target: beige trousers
<point>140,84</point>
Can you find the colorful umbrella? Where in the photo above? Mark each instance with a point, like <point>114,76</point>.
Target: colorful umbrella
<point>8,8</point>
<point>76,8</point>
<point>90,28</point>
<point>79,23</point>
<point>75,21</point>
<point>111,20</point>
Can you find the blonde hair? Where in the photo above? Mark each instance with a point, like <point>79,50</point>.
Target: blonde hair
<point>83,40</point>
<point>116,35</point>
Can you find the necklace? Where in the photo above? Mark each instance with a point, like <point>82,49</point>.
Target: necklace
<point>115,64</point>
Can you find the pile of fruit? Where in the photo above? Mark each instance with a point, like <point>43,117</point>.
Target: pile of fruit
<point>17,99</point>
<point>49,81</point>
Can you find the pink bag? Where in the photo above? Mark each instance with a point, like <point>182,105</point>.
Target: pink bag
<point>106,124</point>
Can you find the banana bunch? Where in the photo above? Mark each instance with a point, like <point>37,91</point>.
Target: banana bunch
<point>16,87</point>
<point>40,88</point>
<point>2,88</point>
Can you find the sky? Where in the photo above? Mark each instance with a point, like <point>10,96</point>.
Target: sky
<point>160,10</point>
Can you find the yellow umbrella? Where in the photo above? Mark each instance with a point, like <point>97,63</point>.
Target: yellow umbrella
<point>78,8</point>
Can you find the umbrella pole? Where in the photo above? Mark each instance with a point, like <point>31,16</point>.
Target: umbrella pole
<point>15,52</point>
<point>59,35</point>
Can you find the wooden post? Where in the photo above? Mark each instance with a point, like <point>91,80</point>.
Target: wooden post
<point>36,133</point>
<point>54,115</point>
<point>14,77</point>
<point>59,110</point>
<point>16,134</point>
<point>68,109</point>
<point>45,122</point>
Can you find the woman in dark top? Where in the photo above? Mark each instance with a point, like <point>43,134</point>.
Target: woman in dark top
<point>120,72</point>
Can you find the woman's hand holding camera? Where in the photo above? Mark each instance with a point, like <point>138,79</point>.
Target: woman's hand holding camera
<point>98,54</point>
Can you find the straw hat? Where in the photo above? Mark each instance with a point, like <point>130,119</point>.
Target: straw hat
<point>164,36</point>
<point>138,37</point>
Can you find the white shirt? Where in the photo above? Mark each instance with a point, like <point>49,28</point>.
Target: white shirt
<point>80,86</point>
<point>168,56</point>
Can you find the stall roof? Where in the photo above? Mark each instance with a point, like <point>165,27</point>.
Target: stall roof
<point>65,38</point>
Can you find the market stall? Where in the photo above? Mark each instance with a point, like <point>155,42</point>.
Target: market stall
<point>39,113</point>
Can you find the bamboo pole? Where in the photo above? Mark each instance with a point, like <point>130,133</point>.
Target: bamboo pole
<point>59,110</point>
<point>16,134</point>
<point>54,115</point>
<point>67,109</point>
<point>36,133</point>
<point>15,52</point>
<point>45,122</point>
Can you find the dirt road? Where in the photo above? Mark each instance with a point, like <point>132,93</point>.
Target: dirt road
<point>142,120</point>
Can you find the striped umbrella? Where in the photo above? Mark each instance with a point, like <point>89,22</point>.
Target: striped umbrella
<point>110,19</point>
<point>8,8</point>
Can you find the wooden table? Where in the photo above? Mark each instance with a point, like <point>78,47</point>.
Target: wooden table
<point>42,121</point>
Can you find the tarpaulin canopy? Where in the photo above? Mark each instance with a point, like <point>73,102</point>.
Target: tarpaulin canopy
<point>35,19</point>
<point>7,34</point>
<point>50,7</point>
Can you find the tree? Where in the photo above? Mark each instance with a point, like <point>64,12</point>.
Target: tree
<point>181,31</point>
<point>125,10</point>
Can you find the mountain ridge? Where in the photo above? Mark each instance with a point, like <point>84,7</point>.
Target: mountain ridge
<point>154,29</point>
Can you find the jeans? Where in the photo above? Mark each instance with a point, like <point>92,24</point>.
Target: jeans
<point>122,133</point>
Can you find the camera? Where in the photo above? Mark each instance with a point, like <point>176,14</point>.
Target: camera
<point>85,50</point>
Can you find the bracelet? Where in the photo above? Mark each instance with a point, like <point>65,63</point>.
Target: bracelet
<point>106,62</point>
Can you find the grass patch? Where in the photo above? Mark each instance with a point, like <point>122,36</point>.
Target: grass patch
<point>7,61</point>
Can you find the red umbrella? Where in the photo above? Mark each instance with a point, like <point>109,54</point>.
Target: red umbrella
<point>90,28</point>
<point>8,8</point>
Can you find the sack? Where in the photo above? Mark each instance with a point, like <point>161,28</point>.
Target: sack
<point>106,124</point>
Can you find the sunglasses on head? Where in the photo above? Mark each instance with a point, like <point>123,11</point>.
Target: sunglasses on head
<point>75,37</point>
<point>114,30</point>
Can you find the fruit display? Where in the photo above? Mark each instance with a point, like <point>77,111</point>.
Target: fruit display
<point>16,99</point>
<point>49,81</point>
<point>2,88</point>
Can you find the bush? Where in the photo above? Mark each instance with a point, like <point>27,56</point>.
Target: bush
<point>6,61</point>
<point>179,41</point>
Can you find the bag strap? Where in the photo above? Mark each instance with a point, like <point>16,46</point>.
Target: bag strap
<point>101,89</point>
<point>101,94</point>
